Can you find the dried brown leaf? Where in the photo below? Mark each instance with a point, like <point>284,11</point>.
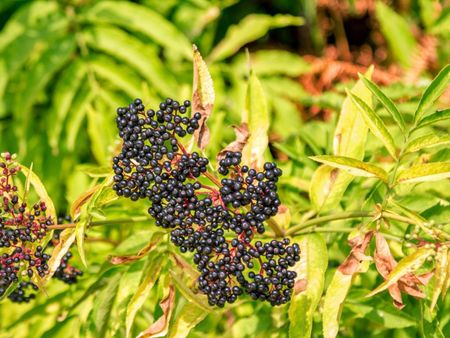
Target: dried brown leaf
<point>356,256</point>
<point>242,135</point>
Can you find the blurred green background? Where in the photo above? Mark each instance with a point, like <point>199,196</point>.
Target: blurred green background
<point>65,66</point>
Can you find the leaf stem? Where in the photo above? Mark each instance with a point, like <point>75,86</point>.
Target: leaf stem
<point>105,222</point>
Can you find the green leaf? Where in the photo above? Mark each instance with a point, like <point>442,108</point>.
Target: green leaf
<point>103,305</point>
<point>312,270</point>
<point>386,102</point>
<point>140,19</point>
<point>333,303</point>
<point>432,93</point>
<point>39,187</point>
<point>123,78</point>
<point>439,115</point>
<point>203,98</point>
<point>397,32</point>
<point>375,124</point>
<point>151,274</point>
<point>328,184</point>
<point>252,27</point>
<point>442,24</point>
<point>188,317</point>
<point>352,166</point>
<point>198,300</point>
<point>257,118</point>
<point>135,53</point>
<point>440,274</point>
<point>63,97</point>
<point>408,264</point>
<point>80,231</point>
<point>427,141</point>
<point>425,173</point>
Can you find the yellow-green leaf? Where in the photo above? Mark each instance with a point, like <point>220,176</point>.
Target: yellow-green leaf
<point>39,187</point>
<point>352,166</point>
<point>203,97</point>
<point>311,270</point>
<point>433,92</point>
<point>258,123</point>
<point>408,264</point>
<point>151,274</point>
<point>427,141</point>
<point>425,173</point>
<point>375,124</point>
<point>440,274</point>
<point>385,101</point>
<point>66,239</point>
<point>333,303</point>
<point>437,116</point>
<point>188,317</point>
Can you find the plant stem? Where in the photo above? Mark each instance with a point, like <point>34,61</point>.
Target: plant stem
<point>319,220</point>
<point>275,228</point>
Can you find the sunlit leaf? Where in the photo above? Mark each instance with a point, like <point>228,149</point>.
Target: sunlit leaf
<point>441,267</point>
<point>203,97</point>
<point>66,239</point>
<point>352,166</point>
<point>333,303</point>
<point>198,300</point>
<point>433,92</point>
<point>385,101</point>
<point>438,116</point>
<point>258,123</point>
<point>425,173</point>
<point>151,274</point>
<point>311,269</point>
<point>408,264</point>
<point>375,124</point>
<point>251,28</point>
<point>188,317</point>
<point>427,141</point>
<point>141,19</point>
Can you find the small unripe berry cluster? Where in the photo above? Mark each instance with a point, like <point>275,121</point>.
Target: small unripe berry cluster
<point>21,231</point>
<point>217,224</point>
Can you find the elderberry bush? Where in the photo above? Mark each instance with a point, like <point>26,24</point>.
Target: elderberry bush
<point>218,221</point>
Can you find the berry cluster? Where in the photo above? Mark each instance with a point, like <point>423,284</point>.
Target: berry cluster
<point>21,228</point>
<point>216,223</point>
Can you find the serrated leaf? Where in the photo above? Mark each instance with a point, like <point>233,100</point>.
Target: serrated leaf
<point>63,96</point>
<point>203,97</point>
<point>80,231</point>
<point>432,93</point>
<point>425,173</point>
<point>135,53</point>
<point>397,32</point>
<point>103,305</point>
<point>155,239</point>
<point>406,265</point>
<point>141,19</point>
<point>352,166</point>
<point>439,115</point>
<point>427,141</point>
<point>188,317</point>
<point>311,269</point>
<point>258,122</point>
<point>333,303</point>
<point>39,187</point>
<point>375,124</point>
<point>440,275</point>
<point>151,274</point>
<point>385,101</point>
<point>252,27</point>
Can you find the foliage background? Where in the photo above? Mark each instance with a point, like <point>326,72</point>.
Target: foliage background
<point>66,65</point>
